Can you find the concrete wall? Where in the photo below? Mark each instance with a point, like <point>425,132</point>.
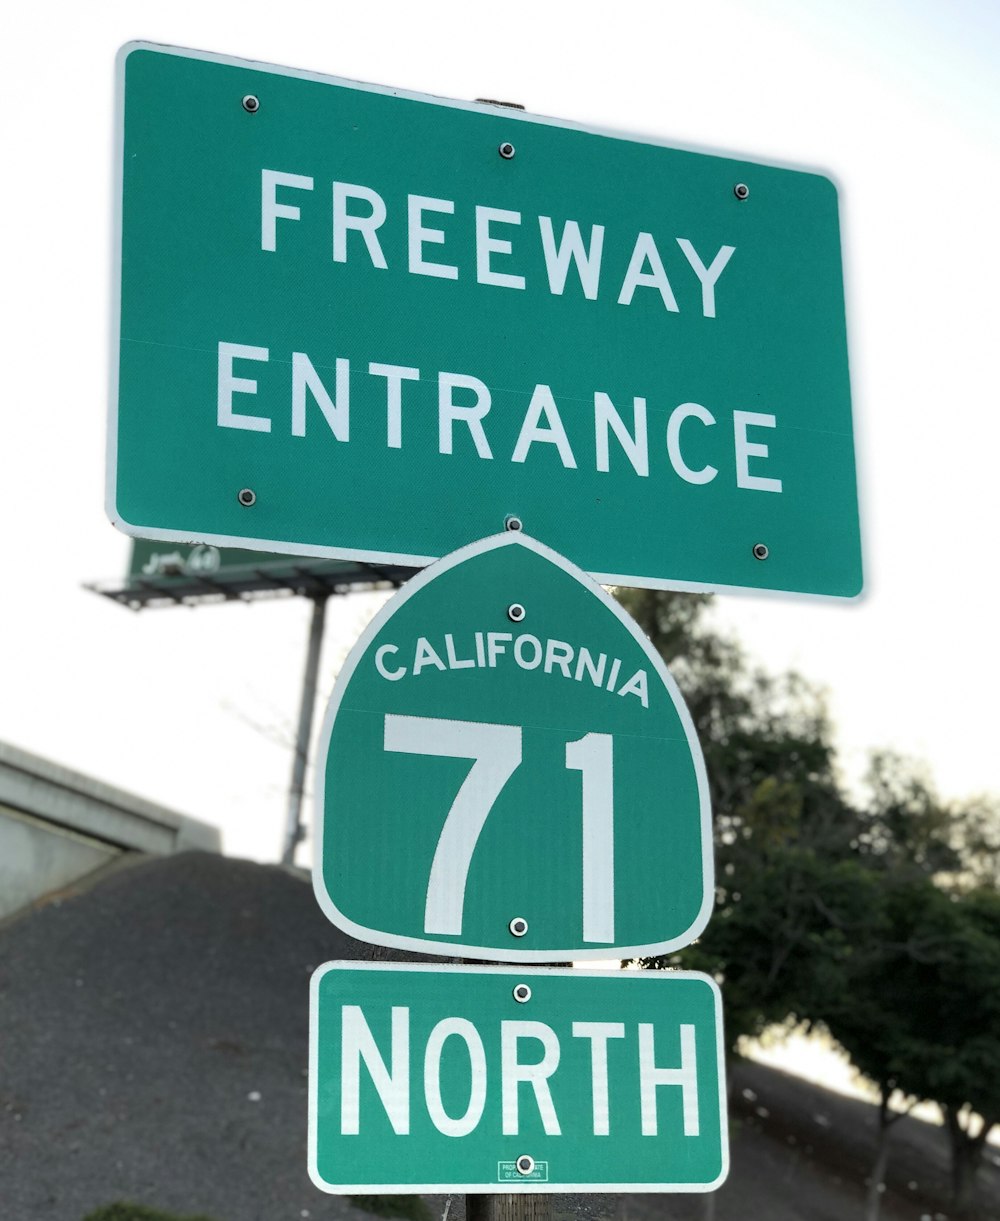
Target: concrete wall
<point>57,826</point>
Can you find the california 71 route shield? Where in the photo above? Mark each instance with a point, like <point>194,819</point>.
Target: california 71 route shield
<point>507,771</point>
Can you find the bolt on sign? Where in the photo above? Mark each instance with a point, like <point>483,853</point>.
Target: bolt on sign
<point>427,1078</point>
<point>362,323</point>
<point>507,771</point>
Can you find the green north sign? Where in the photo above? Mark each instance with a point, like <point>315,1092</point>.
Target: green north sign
<point>391,322</point>
<point>507,771</point>
<point>469,1079</point>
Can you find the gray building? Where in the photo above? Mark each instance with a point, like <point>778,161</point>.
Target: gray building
<point>59,827</point>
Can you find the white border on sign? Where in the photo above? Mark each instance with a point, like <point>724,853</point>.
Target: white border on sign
<point>653,977</point>
<point>388,557</point>
<point>453,949</point>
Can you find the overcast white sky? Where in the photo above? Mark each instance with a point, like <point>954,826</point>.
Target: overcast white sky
<point>899,100</point>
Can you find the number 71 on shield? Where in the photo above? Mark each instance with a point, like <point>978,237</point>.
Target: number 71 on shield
<point>496,752</point>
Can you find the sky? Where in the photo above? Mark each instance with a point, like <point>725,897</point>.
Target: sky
<point>196,708</point>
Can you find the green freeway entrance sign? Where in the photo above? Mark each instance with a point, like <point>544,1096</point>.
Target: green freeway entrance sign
<point>507,771</point>
<point>366,324</point>
<point>427,1078</point>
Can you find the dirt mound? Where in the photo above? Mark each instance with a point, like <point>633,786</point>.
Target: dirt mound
<point>154,1044</point>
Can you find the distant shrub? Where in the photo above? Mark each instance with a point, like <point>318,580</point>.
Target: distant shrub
<point>123,1211</point>
<point>413,1208</point>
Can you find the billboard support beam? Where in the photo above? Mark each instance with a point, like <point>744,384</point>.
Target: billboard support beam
<point>293,825</point>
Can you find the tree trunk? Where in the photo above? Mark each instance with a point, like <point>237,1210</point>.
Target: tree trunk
<point>966,1158</point>
<point>873,1203</point>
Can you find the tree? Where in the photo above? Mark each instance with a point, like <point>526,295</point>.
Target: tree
<point>871,1020</point>
<point>781,822</point>
<point>966,1009</point>
<point>934,1032</point>
<point>907,827</point>
<point>820,902</point>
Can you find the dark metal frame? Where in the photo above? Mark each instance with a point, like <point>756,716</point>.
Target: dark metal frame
<point>282,578</point>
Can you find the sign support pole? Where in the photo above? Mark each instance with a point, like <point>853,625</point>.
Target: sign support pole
<point>497,1206</point>
<point>492,1205</point>
<point>293,825</point>
<point>502,1206</point>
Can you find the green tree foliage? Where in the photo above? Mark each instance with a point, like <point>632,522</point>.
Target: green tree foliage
<point>961,1004</point>
<point>921,992</point>
<point>879,920</point>
<point>124,1211</point>
<point>784,884</point>
<point>908,828</point>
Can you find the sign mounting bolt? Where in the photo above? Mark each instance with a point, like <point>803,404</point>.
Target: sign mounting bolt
<point>506,150</point>
<point>247,497</point>
<point>515,612</point>
<point>761,551</point>
<point>522,993</point>
<point>251,104</point>
<point>525,1164</point>
<point>518,926</point>
<point>512,522</point>
<point>741,190</point>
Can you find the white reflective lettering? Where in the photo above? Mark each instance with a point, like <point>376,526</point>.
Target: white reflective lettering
<point>496,750</point>
<point>645,252</point>
<point>487,244</point>
<point>637,685</point>
<point>707,275</point>
<point>454,661</point>
<point>380,654</point>
<point>392,1085</point>
<point>228,385</point>
<point>552,432</point>
<point>420,235</point>
<point>593,757</point>
<point>598,1033</point>
<point>571,249</point>
<point>651,1078</point>
<point>495,642</point>
<point>536,646</point>
<point>270,209</point>
<point>425,655</point>
<point>746,449</point>
<point>367,226</point>
<point>449,411</point>
<point>461,1029</point>
<point>636,448</point>
<point>677,417</point>
<point>513,1072</point>
<point>394,376</point>
<point>558,653</point>
<point>595,669</point>
<point>305,377</point>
